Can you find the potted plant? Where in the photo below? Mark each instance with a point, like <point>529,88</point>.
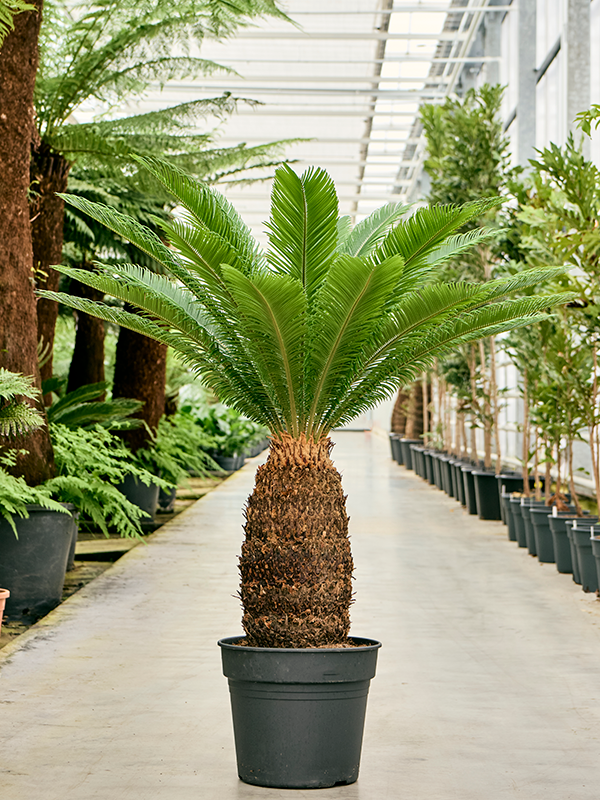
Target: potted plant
<point>301,339</point>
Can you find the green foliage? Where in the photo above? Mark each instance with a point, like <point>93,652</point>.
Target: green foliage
<point>231,433</point>
<point>8,10</point>
<point>303,338</point>
<point>16,416</point>
<point>82,408</point>
<point>178,448</point>
<point>16,495</point>
<point>91,464</point>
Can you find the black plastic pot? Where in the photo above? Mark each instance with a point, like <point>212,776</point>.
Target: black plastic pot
<point>544,543</point>
<point>595,539</point>
<point>145,497</point>
<point>166,500</point>
<point>508,517</point>
<point>406,451</point>
<point>526,504</point>
<point>469,486</point>
<point>428,459</point>
<point>562,546</point>
<point>298,715</point>
<point>73,544</point>
<point>396,448</point>
<point>230,463</point>
<point>415,454</point>
<point>459,488</point>
<point>486,495</point>
<point>437,472</point>
<point>515,508</point>
<point>445,474</point>
<point>574,559</point>
<point>580,536</point>
<point>33,566</point>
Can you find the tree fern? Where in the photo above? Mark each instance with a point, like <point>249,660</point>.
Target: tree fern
<point>16,416</point>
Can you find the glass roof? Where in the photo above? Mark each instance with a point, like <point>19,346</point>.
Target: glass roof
<point>346,80</point>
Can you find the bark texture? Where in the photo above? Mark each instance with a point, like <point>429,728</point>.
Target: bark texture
<point>296,565</point>
<point>18,319</point>
<point>140,373</point>
<point>49,175</point>
<point>408,413</point>
<point>87,362</point>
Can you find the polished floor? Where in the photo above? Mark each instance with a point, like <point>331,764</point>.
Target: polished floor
<point>488,684</point>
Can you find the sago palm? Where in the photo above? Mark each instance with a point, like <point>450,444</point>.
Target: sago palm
<point>301,339</point>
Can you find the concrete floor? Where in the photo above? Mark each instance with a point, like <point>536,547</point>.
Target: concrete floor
<point>488,684</point>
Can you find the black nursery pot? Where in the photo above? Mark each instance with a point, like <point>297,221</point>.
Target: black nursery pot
<point>519,524</point>
<point>145,497</point>
<point>446,475</point>
<point>406,451</point>
<point>544,543</point>
<point>581,550</point>
<point>437,472</point>
<point>486,495</point>
<point>526,504</point>
<point>562,546</point>
<point>298,715</point>
<point>508,516</point>
<point>395,447</point>
<point>428,459</point>
<point>459,488</point>
<point>33,566</point>
<point>469,487</point>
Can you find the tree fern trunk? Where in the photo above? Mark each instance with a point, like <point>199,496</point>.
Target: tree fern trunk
<point>296,565</point>
<point>87,362</point>
<point>18,321</point>
<point>49,174</point>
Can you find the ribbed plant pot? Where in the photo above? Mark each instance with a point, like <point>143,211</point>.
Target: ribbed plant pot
<point>33,566</point>
<point>562,546</point>
<point>230,463</point>
<point>486,495</point>
<point>469,487</point>
<point>437,472</point>
<point>427,457</point>
<point>406,451</point>
<point>4,595</point>
<point>415,455</point>
<point>526,504</point>
<point>396,448</point>
<point>595,539</point>
<point>73,544</point>
<point>544,543</point>
<point>446,476</point>
<point>508,482</point>
<point>515,508</point>
<point>585,558</point>
<point>298,715</point>
<point>508,517</point>
<point>458,481</point>
<point>145,497</point>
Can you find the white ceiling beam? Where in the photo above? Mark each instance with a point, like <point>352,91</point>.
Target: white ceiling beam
<point>424,59</point>
<point>445,36</point>
<point>412,9</point>
<point>246,81</point>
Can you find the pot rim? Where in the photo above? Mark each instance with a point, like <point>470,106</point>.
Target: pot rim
<point>230,643</point>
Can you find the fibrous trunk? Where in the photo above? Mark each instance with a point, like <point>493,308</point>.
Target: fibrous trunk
<point>87,362</point>
<point>140,373</point>
<point>18,322</point>
<point>49,174</point>
<point>296,565</point>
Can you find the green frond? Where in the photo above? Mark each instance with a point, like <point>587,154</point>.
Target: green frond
<point>19,418</point>
<point>368,233</point>
<point>273,319</point>
<point>418,237</point>
<point>303,226</point>
<point>14,384</point>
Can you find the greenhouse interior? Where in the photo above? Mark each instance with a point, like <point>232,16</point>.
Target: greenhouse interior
<point>288,291</point>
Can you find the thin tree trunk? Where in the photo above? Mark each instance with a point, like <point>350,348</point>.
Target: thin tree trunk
<point>87,362</point>
<point>574,498</point>
<point>495,404</point>
<point>296,565</point>
<point>536,468</point>
<point>487,426</point>
<point>548,471</point>
<point>425,393</point>
<point>140,373</point>
<point>49,175</point>
<point>18,319</point>
<point>474,404</point>
<point>593,426</point>
<point>525,450</point>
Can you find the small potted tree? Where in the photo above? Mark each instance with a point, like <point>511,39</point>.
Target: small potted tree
<point>301,339</point>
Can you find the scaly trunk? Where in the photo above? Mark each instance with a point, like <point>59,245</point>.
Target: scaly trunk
<point>296,565</point>
<point>49,175</point>
<point>18,321</point>
<point>87,362</point>
<point>399,413</point>
<point>140,373</point>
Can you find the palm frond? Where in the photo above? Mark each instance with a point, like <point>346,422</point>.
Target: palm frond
<point>368,233</point>
<point>303,226</point>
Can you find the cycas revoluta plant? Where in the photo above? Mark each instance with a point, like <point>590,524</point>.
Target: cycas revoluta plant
<point>301,339</point>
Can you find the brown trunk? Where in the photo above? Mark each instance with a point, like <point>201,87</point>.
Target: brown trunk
<point>487,411</point>
<point>18,322</point>
<point>536,467</point>
<point>49,174</point>
<point>495,404</point>
<point>525,450</point>
<point>548,471</point>
<point>414,413</point>
<point>425,403</point>
<point>87,362</point>
<point>574,498</point>
<point>474,404</point>
<point>140,373</point>
<point>399,413</point>
<point>296,565</point>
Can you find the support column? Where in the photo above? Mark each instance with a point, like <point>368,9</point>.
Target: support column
<point>526,103</point>
<point>493,45</point>
<point>577,46</point>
